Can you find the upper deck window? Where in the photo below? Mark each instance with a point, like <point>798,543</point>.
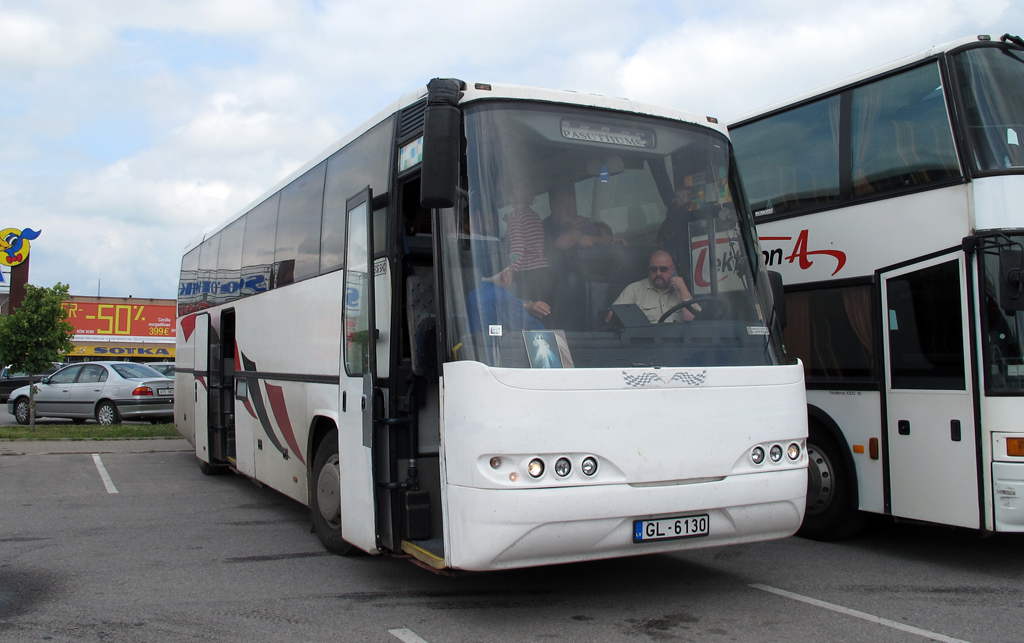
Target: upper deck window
<point>791,161</point>
<point>884,137</point>
<point>901,133</point>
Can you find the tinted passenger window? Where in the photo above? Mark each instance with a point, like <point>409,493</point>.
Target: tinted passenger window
<point>790,161</point>
<point>229,260</point>
<point>901,133</point>
<point>364,161</point>
<point>208,255</point>
<point>66,376</point>
<point>830,331</point>
<point>260,234</point>
<point>92,373</point>
<point>297,256</point>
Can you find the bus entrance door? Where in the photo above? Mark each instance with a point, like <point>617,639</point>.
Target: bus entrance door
<point>931,442</point>
<point>358,379</point>
<point>201,385</point>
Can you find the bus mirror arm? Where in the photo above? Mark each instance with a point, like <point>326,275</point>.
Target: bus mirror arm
<point>1014,39</point>
<point>442,142</point>
<point>778,297</point>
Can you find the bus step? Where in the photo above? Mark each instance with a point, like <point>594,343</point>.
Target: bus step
<point>420,553</point>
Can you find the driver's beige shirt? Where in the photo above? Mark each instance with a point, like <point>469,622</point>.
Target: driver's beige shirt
<point>653,302</point>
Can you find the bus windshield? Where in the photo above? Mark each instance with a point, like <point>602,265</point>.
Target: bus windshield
<point>583,241</point>
<point>1003,326</point>
<point>991,85</point>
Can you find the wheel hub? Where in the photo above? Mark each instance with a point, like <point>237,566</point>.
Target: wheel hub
<point>328,486</point>
<point>819,481</point>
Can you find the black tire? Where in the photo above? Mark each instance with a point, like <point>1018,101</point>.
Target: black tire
<point>325,497</point>
<point>106,414</point>
<point>21,410</point>
<point>831,513</point>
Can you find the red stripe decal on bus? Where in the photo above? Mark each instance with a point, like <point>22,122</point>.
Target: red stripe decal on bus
<point>280,409</point>
<point>188,325</point>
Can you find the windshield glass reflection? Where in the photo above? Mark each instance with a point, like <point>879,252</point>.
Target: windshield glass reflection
<point>590,239</point>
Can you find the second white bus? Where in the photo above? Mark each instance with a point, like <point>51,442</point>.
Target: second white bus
<point>891,203</point>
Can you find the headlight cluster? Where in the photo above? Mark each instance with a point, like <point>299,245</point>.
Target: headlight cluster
<point>774,452</point>
<point>563,467</point>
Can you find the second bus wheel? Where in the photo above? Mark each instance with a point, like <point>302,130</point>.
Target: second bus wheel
<point>831,513</point>
<point>325,503</point>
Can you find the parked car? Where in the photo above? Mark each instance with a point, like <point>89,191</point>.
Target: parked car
<point>106,391</point>
<point>164,368</point>
<point>11,379</point>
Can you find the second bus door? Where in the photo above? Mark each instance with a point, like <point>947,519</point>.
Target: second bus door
<point>930,429</point>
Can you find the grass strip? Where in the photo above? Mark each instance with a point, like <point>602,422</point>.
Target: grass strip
<point>88,432</point>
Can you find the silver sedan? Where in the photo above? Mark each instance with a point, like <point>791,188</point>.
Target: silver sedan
<point>106,391</point>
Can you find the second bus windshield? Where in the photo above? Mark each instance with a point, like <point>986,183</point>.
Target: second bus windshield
<point>991,82</point>
<point>584,236</point>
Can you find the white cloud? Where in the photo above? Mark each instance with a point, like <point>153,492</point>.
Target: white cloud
<point>29,41</point>
<point>767,52</point>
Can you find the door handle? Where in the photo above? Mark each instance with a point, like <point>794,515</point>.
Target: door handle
<point>903,426</point>
<point>954,430</point>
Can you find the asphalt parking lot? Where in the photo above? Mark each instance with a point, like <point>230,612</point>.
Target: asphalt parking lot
<point>128,541</point>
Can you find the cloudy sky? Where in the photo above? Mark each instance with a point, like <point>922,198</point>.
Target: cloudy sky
<point>129,126</point>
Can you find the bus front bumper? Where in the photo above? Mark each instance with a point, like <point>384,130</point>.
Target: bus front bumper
<point>509,528</point>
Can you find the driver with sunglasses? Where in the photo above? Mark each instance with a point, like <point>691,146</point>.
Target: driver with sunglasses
<point>662,290</point>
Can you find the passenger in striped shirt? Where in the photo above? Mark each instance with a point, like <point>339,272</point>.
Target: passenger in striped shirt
<point>528,266</point>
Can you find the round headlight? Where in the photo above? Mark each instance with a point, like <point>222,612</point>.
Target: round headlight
<point>588,466</point>
<point>757,455</point>
<point>563,467</point>
<point>535,468</point>
<point>495,462</point>
<point>793,451</point>
<point>775,453</point>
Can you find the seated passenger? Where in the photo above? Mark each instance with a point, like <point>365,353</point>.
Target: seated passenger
<point>662,290</point>
<point>492,303</point>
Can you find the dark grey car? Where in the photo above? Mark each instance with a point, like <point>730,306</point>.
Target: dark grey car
<point>11,379</point>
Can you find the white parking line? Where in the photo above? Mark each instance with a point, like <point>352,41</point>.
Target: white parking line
<point>861,615</point>
<point>406,636</point>
<point>107,482</point>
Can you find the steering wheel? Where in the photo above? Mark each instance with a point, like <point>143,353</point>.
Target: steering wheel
<point>711,308</point>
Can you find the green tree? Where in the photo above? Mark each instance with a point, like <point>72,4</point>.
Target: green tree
<point>36,335</point>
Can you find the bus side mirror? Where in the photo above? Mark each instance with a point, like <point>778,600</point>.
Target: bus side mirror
<point>778,297</point>
<point>442,142</point>
<point>1011,281</point>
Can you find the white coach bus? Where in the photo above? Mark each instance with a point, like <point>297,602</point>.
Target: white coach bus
<point>891,203</point>
<point>412,336</point>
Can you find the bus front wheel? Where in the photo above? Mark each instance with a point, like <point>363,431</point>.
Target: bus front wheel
<point>831,512</point>
<point>325,503</point>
